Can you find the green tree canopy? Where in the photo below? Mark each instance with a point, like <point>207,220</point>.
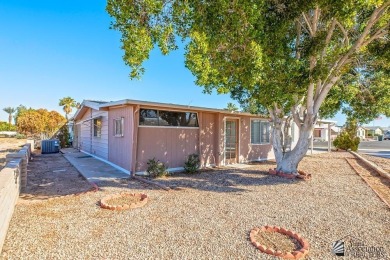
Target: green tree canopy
<point>40,122</point>
<point>295,59</point>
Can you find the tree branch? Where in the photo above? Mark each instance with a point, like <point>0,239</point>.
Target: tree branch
<point>378,34</point>
<point>318,89</point>
<point>345,33</point>
<point>316,16</point>
<point>299,31</point>
<point>309,100</point>
<point>358,44</point>
<point>329,37</point>
<point>321,97</point>
<point>308,24</point>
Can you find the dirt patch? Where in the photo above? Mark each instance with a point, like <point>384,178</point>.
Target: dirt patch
<point>9,145</point>
<point>51,175</point>
<point>277,241</point>
<point>377,182</point>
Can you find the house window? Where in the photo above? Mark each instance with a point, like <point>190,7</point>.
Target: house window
<point>118,126</point>
<point>97,127</point>
<point>260,132</point>
<point>151,117</point>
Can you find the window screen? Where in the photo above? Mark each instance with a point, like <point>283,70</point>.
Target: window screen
<point>260,132</point>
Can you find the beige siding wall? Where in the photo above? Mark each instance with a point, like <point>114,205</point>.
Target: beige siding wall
<point>95,145</point>
<point>248,151</point>
<point>208,138</point>
<point>100,144</point>
<point>120,148</point>
<point>85,137</point>
<point>168,144</point>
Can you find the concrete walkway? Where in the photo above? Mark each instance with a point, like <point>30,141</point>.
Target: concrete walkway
<point>91,168</point>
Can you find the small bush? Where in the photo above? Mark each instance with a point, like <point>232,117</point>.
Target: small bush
<point>345,141</point>
<point>192,164</point>
<point>20,136</point>
<point>156,168</point>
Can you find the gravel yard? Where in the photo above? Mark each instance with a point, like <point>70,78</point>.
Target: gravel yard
<point>384,163</point>
<point>9,145</point>
<point>210,218</point>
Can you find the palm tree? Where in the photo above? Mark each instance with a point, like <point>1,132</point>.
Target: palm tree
<point>9,111</point>
<point>231,107</point>
<point>68,103</point>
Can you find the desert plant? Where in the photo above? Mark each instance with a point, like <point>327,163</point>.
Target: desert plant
<point>348,139</point>
<point>20,136</point>
<point>192,164</point>
<point>67,103</point>
<point>156,168</point>
<point>10,111</point>
<point>63,135</point>
<point>345,141</point>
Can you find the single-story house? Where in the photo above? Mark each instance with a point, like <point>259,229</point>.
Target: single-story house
<point>321,130</point>
<point>361,132</point>
<point>127,133</point>
<point>372,131</point>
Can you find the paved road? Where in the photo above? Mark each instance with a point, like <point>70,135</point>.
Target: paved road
<point>375,148</point>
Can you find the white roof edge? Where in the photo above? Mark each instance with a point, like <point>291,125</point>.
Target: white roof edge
<point>321,121</point>
<point>169,105</point>
<point>87,103</point>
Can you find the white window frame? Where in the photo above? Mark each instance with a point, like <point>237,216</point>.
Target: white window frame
<point>269,131</point>
<point>122,124</point>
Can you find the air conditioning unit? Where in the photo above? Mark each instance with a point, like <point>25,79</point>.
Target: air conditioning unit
<point>50,146</point>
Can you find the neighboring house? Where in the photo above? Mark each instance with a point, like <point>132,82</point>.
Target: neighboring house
<point>372,131</point>
<point>127,133</point>
<point>321,130</point>
<point>361,132</point>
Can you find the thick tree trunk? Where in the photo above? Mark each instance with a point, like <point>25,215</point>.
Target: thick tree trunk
<point>287,161</point>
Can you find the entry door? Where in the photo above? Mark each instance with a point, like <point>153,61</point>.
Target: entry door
<point>231,141</point>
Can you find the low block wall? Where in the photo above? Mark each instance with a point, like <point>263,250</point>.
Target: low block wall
<point>13,179</point>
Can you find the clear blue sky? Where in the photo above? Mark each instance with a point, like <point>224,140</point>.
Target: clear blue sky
<point>50,49</point>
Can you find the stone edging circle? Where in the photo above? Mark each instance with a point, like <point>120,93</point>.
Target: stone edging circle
<point>141,203</point>
<point>297,254</point>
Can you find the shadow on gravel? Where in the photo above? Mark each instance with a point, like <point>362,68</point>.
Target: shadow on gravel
<point>226,180</point>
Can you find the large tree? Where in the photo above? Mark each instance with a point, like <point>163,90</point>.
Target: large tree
<point>67,104</point>
<point>10,111</point>
<point>40,122</point>
<point>295,60</point>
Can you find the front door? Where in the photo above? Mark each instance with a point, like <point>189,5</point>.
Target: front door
<point>231,141</point>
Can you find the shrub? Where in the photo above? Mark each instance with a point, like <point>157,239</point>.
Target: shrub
<point>64,136</point>
<point>345,141</point>
<point>348,139</point>
<point>20,136</point>
<point>4,126</point>
<point>156,168</point>
<point>192,164</point>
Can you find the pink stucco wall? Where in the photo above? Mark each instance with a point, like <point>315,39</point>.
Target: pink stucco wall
<point>208,138</point>
<point>120,148</point>
<point>170,145</point>
<point>248,151</point>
